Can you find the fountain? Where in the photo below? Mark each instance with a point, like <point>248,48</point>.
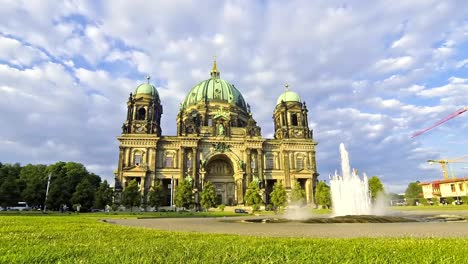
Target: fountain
<point>350,195</point>
<point>351,203</point>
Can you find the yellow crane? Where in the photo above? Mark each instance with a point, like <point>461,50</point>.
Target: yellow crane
<point>445,163</point>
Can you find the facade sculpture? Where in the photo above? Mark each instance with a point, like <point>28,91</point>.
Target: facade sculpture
<point>217,140</point>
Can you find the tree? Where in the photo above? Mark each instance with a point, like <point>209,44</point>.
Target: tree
<point>104,195</point>
<point>252,196</point>
<point>131,196</point>
<point>208,196</point>
<point>298,195</point>
<point>10,193</point>
<point>84,194</point>
<point>375,187</point>
<point>156,195</point>
<point>65,178</point>
<point>183,194</point>
<point>413,193</point>
<point>35,178</point>
<point>278,196</point>
<point>323,194</point>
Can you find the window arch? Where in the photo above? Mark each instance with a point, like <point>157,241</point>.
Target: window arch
<point>138,157</point>
<point>141,114</point>
<point>294,119</point>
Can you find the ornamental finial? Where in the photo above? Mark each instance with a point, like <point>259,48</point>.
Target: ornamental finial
<point>214,72</point>
<point>148,78</point>
<point>287,87</point>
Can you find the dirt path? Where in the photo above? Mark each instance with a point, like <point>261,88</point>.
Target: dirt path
<point>233,225</point>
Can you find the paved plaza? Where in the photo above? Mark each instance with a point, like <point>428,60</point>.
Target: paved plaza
<point>235,225</point>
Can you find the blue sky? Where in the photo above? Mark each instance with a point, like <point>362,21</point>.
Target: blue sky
<point>370,73</point>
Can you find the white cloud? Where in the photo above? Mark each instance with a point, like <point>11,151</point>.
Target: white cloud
<point>394,64</point>
<point>19,54</point>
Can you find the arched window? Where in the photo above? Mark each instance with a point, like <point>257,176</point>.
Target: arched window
<point>294,119</point>
<point>270,162</point>
<point>141,114</point>
<point>299,163</point>
<point>137,159</point>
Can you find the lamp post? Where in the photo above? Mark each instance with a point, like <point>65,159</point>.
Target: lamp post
<point>47,192</point>
<point>172,192</point>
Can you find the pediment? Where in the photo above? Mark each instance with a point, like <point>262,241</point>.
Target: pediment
<point>136,169</point>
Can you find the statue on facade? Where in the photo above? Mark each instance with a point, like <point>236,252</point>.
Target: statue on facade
<point>221,130</point>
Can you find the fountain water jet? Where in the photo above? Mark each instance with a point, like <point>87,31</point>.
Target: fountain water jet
<point>350,194</point>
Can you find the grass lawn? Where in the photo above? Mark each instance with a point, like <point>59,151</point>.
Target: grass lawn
<point>450,207</point>
<point>84,239</point>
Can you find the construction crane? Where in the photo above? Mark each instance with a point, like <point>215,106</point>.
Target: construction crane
<point>445,163</point>
<point>447,118</point>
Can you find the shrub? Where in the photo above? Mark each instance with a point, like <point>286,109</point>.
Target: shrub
<point>465,200</point>
<point>435,201</point>
<point>423,201</point>
<point>449,200</point>
<point>255,207</point>
<point>411,201</point>
<point>221,207</point>
<point>269,207</point>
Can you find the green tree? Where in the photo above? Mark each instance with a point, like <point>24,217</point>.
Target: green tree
<point>323,194</point>
<point>84,194</point>
<point>252,196</point>
<point>156,195</point>
<point>104,195</point>
<point>298,195</point>
<point>375,187</point>
<point>65,178</point>
<point>10,192</point>
<point>208,196</point>
<point>278,196</point>
<point>131,196</point>
<point>35,179</point>
<point>413,193</point>
<point>183,194</point>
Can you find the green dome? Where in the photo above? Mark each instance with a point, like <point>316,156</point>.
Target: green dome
<point>288,96</point>
<point>215,89</point>
<point>146,88</point>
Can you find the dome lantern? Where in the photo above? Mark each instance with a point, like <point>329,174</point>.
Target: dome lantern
<point>214,71</point>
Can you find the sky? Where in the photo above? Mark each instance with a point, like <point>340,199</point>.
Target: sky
<point>371,73</point>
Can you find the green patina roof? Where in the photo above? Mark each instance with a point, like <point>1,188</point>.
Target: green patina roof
<point>288,96</point>
<point>215,89</point>
<point>146,88</point>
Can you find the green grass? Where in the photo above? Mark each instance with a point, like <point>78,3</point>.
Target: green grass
<point>84,239</point>
<point>430,208</point>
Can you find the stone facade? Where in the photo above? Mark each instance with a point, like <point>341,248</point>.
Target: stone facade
<point>217,140</point>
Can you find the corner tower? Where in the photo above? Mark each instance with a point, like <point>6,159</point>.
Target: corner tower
<point>144,111</point>
<point>290,117</point>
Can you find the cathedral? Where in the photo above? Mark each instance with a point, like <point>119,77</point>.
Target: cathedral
<point>217,140</point>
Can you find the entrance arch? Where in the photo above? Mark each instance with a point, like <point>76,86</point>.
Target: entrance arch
<point>220,172</point>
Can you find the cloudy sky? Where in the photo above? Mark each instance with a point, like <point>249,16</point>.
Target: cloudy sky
<point>371,74</point>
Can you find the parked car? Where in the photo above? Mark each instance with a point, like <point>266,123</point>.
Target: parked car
<point>240,211</point>
<point>21,206</point>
